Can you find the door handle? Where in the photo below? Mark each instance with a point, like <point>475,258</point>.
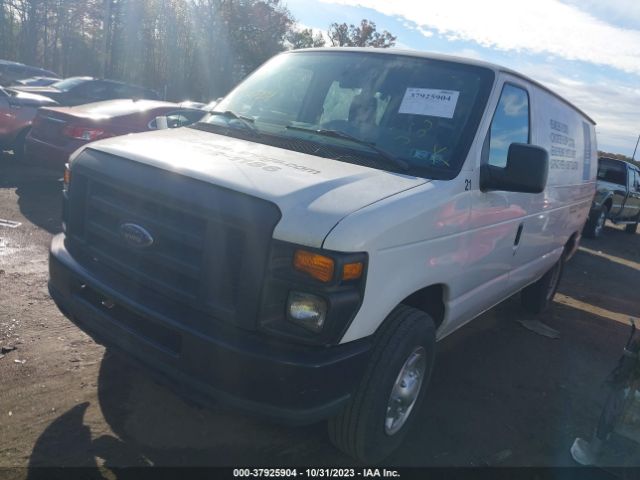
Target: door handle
<point>516,242</point>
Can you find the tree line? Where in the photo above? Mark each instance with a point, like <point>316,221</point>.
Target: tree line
<point>197,49</point>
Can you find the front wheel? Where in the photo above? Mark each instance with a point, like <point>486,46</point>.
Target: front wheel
<point>537,297</point>
<point>376,419</point>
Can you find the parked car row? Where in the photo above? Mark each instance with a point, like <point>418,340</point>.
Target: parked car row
<point>78,110</point>
<point>80,90</point>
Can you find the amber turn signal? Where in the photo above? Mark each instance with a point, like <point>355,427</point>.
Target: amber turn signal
<point>316,265</point>
<point>67,176</point>
<point>352,271</point>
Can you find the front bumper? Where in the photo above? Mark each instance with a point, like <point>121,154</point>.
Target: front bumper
<point>295,384</point>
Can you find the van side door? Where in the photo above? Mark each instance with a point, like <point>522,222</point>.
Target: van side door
<point>496,221</point>
<point>559,211</point>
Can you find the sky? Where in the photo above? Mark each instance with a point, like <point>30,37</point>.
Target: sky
<point>588,51</point>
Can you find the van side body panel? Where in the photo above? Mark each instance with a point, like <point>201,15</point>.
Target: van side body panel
<point>446,233</point>
<point>562,209</point>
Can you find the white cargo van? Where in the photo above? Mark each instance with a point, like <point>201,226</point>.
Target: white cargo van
<point>299,251</point>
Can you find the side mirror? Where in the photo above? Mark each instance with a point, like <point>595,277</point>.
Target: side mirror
<point>526,171</point>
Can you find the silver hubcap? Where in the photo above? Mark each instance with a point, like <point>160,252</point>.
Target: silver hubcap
<point>405,391</point>
<point>600,223</point>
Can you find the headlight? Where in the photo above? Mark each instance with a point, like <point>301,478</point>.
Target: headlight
<point>307,310</point>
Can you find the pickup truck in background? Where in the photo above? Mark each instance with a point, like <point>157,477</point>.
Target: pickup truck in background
<point>617,197</point>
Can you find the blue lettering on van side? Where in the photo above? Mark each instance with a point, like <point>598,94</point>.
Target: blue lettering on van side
<point>586,133</point>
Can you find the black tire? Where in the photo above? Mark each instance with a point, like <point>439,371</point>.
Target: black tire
<point>537,297</point>
<point>632,227</point>
<point>360,430</point>
<point>595,223</point>
<point>19,146</point>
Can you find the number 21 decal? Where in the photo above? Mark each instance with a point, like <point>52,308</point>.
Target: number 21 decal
<point>467,184</point>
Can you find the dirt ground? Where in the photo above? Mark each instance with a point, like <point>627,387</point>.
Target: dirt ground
<point>501,394</point>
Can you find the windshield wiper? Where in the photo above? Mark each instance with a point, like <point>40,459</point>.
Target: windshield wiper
<point>346,136</point>
<point>246,121</point>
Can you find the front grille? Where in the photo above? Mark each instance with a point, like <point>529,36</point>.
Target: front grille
<point>171,264</point>
<point>210,245</point>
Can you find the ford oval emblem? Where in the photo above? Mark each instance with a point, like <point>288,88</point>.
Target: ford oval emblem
<point>135,236</point>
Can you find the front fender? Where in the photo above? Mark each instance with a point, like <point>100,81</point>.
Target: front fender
<point>600,199</point>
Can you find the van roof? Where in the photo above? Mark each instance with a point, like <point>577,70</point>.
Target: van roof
<point>448,58</point>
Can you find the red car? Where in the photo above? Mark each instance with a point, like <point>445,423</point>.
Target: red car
<point>17,110</point>
<point>57,132</point>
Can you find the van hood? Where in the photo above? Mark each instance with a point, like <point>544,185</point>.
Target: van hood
<point>313,193</point>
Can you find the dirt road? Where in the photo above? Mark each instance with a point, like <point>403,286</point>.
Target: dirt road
<point>501,394</point>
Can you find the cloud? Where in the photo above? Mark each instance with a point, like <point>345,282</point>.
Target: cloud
<point>613,105</point>
<point>544,26</point>
<point>514,105</point>
<point>618,11</point>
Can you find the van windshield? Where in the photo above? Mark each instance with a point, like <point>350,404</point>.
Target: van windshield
<point>420,113</point>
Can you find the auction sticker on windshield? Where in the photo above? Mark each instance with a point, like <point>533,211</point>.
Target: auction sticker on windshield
<point>429,101</point>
